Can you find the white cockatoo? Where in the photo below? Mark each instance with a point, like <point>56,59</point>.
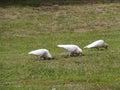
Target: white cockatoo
<point>73,50</point>
<point>97,44</point>
<point>42,53</point>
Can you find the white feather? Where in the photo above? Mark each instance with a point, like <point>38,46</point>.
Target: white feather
<point>41,53</point>
<point>96,44</point>
<point>72,49</point>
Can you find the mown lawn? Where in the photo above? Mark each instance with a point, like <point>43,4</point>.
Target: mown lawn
<point>23,29</point>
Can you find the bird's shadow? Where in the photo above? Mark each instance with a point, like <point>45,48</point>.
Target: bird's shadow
<point>42,59</point>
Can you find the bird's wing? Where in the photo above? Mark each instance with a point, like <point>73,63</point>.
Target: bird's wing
<point>67,47</point>
<point>36,52</point>
<point>98,43</point>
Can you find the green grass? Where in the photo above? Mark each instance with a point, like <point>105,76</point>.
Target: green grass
<point>23,29</point>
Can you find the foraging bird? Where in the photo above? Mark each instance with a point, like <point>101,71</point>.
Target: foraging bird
<point>97,44</point>
<point>42,53</point>
<point>73,50</point>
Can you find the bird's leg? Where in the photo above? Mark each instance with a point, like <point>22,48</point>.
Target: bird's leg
<point>70,54</point>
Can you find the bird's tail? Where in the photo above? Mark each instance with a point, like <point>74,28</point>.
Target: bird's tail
<point>30,53</point>
<point>59,45</point>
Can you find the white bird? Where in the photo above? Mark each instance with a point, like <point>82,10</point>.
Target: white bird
<point>73,50</point>
<point>97,44</point>
<point>41,53</point>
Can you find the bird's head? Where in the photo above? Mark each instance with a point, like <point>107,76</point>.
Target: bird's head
<point>106,46</point>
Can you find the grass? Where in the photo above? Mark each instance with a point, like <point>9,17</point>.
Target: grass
<point>23,29</point>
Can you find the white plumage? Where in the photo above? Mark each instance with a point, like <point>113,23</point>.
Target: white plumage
<point>73,50</point>
<point>97,44</point>
<point>41,53</point>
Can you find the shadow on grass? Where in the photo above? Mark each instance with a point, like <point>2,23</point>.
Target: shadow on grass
<point>37,3</point>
